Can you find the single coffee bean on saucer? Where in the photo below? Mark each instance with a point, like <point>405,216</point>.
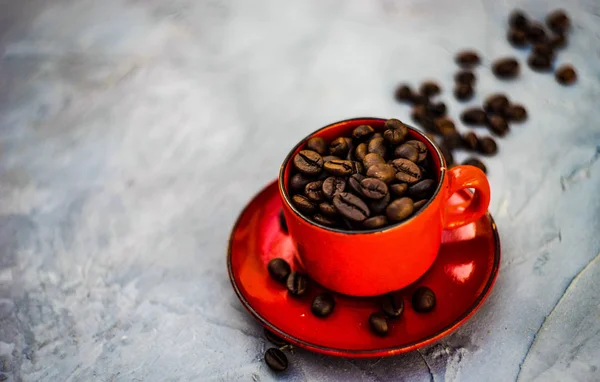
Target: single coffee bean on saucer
<point>339,147</point>
<point>407,151</point>
<point>506,68</point>
<point>375,222</point>
<point>539,63</point>
<point>308,162</point>
<point>378,324</point>
<point>407,171</point>
<point>392,305</point>
<point>470,141</point>
<point>463,92</point>
<point>373,188</point>
<point>535,33</point>
<point>323,305</point>
<point>423,300</point>
<point>377,207</point>
<point>498,126</point>
<point>558,41</point>
<point>296,284</point>
<point>314,191</point>
<point>318,145</point>
<point>518,19</point>
<point>421,147</point>
<point>516,113</point>
<point>403,94</point>
<point>418,205</point>
<point>383,172</point>
<point>274,339</point>
<point>429,89</point>
<point>279,269</point>
<point>496,104</point>
<point>465,77</point>
<point>303,204</point>
<point>558,21</point>
<point>333,186</point>
<point>475,162</point>
<point>566,75</point>
<point>398,189</point>
<point>487,146</point>
<point>474,116</point>
<point>362,132</point>
<point>282,222</point>
<point>467,59</point>
<point>517,38</point>
<point>399,209</point>
<point>422,190</point>
<point>276,360</point>
<point>351,207</point>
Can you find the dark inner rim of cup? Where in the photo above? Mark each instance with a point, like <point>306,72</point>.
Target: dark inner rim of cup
<point>363,120</point>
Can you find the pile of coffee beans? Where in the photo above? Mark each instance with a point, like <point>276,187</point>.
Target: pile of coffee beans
<point>368,180</point>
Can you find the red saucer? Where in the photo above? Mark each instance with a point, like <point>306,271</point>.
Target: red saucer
<point>461,277</point>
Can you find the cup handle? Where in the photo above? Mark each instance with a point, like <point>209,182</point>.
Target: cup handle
<point>459,178</point>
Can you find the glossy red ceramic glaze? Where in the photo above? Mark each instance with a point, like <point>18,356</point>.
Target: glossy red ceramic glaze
<point>461,277</point>
<point>370,263</point>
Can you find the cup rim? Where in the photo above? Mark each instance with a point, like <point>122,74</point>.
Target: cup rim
<point>286,197</point>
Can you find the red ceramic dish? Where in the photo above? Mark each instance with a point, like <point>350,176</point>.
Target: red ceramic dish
<point>462,277</point>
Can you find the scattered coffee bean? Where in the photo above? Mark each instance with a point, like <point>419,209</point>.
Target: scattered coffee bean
<point>539,63</point>
<point>282,222</point>
<point>373,188</point>
<point>543,49</point>
<point>474,116</point>
<point>318,145</point>
<point>323,305</point>
<point>475,162</point>
<point>399,209</point>
<point>423,300</point>
<point>276,360</point>
<point>392,305</point>
<point>463,92</point>
<point>339,167</point>
<point>419,99</point>
<point>333,186</point>
<point>496,104</point>
<point>422,190</point>
<point>517,38</point>
<point>339,147</point>
<point>378,324</point>
<point>279,269</point>
<point>487,146</point>
<point>518,19</point>
<point>303,204</point>
<point>328,209</point>
<point>436,110</point>
<point>467,59</point>
<point>558,21</point>
<point>566,75</point>
<point>445,126</point>
<point>418,205</point>
<point>362,132</point>
<point>383,172</point>
<point>351,207</point>
<point>407,171</point>
<point>465,77</point>
<point>452,141</point>
<point>429,89</point>
<point>274,339</point>
<point>377,146</point>
<point>447,154</point>
<point>470,141</point>
<point>308,162</point>
<point>498,126</point>
<point>506,68</point>
<point>558,41</point>
<point>398,189</point>
<point>314,191</point>
<point>403,94</point>
<point>296,284</point>
<point>516,113</point>
<point>535,33</point>
<point>377,207</point>
<point>407,151</point>
<point>375,222</point>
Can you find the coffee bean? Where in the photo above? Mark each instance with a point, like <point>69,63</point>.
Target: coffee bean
<point>423,300</point>
<point>395,132</point>
<point>406,171</point>
<point>339,167</point>
<point>403,94</point>
<point>465,77</point>
<point>418,205</point>
<point>332,186</point>
<point>436,110</point>
<point>467,59</point>
<point>543,49</point>
<point>375,222</point>
<point>372,159</point>
<point>314,191</point>
<point>535,33</point>
<point>303,204</point>
<point>419,99</point>
<point>518,19</point>
<point>498,126</point>
<point>566,75</point>
<point>362,132</point>
<point>558,21</point>
<point>323,305</point>
<point>328,209</point>
<point>475,162</point>
<point>274,339</point>
<point>463,92</point>
<point>399,209</point>
<point>407,151</point>
<point>506,68</point>
<point>473,116</point>
<point>373,188</point>
<point>339,147</point>
<point>378,324</point>
<point>329,158</point>
<point>558,41</point>
<point>398,189</point>
<point>487,146</point>
<point>517,38</point>
<point>279,269</point>
<point>496,104</point>
<point>470,141</point>
<point>296,284</point>
<point>429,89</point>
<point>428,124</point>
<point>357,168</point>
<point>378,206</point>
<point>354,183</point>
<point>418,113</point>
<point>276,360</point>
<point>308,162</point>
<point>282,222</point>
<point>422,190</point>
<point>452,141</point>
<point>299,181</point>
<point>382,171</point>
<point>318,145</point>
<point>516,113</point>
<point>351,207</point>
<point>539,63</point>
<point>392,305</point>
<point>445,125</point>
<point>377,146</point>
<point>361,151</point>
<point>447,154</point>
<point>421,147</point>
<point>324,220</point>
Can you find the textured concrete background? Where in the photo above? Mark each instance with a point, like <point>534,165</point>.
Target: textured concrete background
<point>133,133</point>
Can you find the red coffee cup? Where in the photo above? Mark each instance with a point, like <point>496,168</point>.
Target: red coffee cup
<point>375,262</point>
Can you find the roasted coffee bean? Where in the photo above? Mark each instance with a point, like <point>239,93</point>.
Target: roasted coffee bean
<point>422,190</point>
<point>332,186</point>
<point>407,151</point>
<point>282,222</point>
<point>276,360</point>
<point>403,94</point>
<point>378,207</point>
<point>362,132</point>
<point>299,181</point>
<point>308,162</point>
<point>423,300</point>
<point>323,305</point>
<point>324,220</point>
<point>372,159</point>
<point>535,33</point>
<point>350,155</point>
<point>339,147</point>
<point>357,168</point>
<point>318,145</point>
<point>465,77</point>
<point>339,167</point>
<point>395,136</point>
<point>392,305</point>
<point>375,222</point>
<point>419,99</point>
<point>463,92</point>
<point>354,182</point>
<point>452,141</point>
<point>406,171</point>
<point>303,204</point>
<point>373,188</point>
<point>475,162</point>
<point>518,19</point>
<point>558,21</point>
<point>279,269</point>
<point>328,209</point>
<point>543,49</point>
<point>566,75</point>
<point>496,104</point>
<point>436,110</point>
<point>428,124</point>
<point>539,63</point>
<point>314,191</point>
<point>474,116</point>
<point>421,147</point>
<point>418,205</point>
<point>296,284</point>
<point>487,146</point>
<point>470,141</point>
<point>429,89</point>
<point>418,113</point>
<point>383,172</point>
<point>467,59</point>
<point>447,154</point>
<point>506,68</point>
<point>361,151</point>
<point>351,207</point>
<point>517,38</point>
<point>558,41</point>
<point>329,158</point>
<point>378,324</point>
<point>516,113</point>
<point>445,127</point>
<point>398,189</point>
<point>274,339</point>
<point>399,209</point>
<point>377,146</point>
